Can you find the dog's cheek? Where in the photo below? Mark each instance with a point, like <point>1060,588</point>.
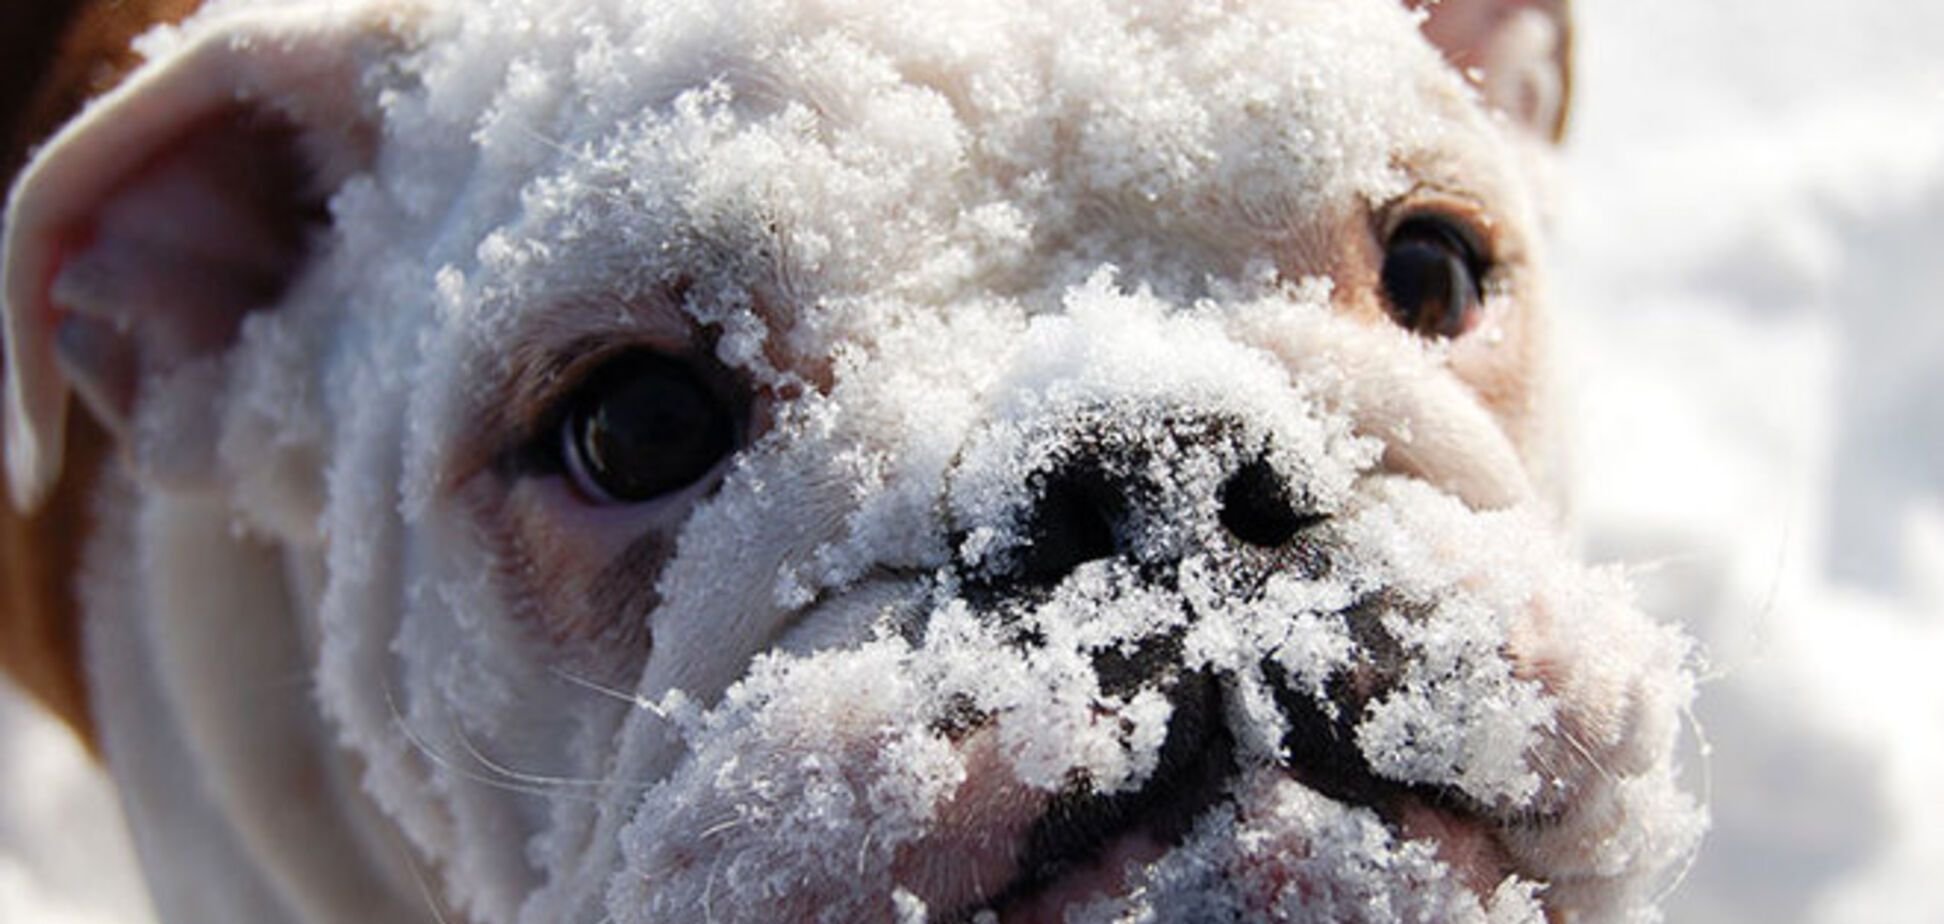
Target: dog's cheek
<point>1618,678</point>
<point>580,580</point>
<point>1611,820</point>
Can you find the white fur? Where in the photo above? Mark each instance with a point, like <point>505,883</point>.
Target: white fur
<point>931,236</point>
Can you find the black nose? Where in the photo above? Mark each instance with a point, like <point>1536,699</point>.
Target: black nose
<point>1080,515</point>
<point>1143,497</point>
<point>1086,510</point>
<point>1257,508</point>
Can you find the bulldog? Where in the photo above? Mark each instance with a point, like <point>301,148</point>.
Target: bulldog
<point>829,460</point>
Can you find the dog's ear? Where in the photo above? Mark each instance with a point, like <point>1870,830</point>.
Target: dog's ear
<point>1518,53</point>
<point>142,234</point>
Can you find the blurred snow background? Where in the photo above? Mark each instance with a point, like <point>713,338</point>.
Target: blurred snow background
<point>1752,277</point>
<point>1752,257</point>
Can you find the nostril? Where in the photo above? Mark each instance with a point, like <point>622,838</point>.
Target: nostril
<point>1256,507</point>
<point>1073,523</point>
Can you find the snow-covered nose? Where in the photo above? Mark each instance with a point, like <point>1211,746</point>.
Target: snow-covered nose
<point>1144,490</point>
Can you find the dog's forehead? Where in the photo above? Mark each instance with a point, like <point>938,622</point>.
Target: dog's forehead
<point>859,158</point>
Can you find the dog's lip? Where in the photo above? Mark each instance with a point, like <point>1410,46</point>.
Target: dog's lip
<point>1080,845</point>
<point>1467,845</point>
<point>1466,838</point>
<point>1102,876</point>
<point>1174,802</point>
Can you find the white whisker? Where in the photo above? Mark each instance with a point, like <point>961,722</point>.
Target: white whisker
<point>721,827</point>
<point>509,773</point>
<point>425,747</point>
<point>1707,798</point>
<point>1586,754</point>
<point>633,699</point>
<point>432,902</point>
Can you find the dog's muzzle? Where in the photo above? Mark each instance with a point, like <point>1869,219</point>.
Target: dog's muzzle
<point>1125,502</point>
<point>1185,636</point>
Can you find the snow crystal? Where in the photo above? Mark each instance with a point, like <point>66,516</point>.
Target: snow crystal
<point>1298,857</point>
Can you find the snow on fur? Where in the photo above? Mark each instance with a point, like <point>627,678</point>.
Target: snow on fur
<point>993,224</point>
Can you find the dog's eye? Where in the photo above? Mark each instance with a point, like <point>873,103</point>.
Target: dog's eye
<point>1434,277</point>
<point>642,426</point>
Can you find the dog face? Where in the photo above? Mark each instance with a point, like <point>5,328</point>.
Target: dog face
<point>822,461</point>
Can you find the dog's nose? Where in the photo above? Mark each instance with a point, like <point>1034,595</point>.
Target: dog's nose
<point>1082,516</point>
<point>1111,497</point>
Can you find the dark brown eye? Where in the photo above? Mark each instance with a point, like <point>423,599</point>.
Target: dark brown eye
<point>1434,277</point>
<point>643,426</point>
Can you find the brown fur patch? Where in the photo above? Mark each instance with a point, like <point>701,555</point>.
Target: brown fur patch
<point>40,555</point>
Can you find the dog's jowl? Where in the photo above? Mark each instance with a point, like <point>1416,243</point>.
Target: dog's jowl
<point>837,461</point>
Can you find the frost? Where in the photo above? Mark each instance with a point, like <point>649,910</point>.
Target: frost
<point>811,790</point>
<point>1297,857</point>
<point>973,264</point>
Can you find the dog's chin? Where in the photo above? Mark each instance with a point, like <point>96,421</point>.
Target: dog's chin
<point>1109,875</point>
<point>1116,876</point>
<point>1084,846</point>
<point>1098,852</point>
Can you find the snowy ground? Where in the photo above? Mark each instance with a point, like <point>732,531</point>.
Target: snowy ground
<point>1751,251</point>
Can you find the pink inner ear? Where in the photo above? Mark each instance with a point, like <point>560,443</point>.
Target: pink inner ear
<point>212,227</point>
<point>1516,51</point>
